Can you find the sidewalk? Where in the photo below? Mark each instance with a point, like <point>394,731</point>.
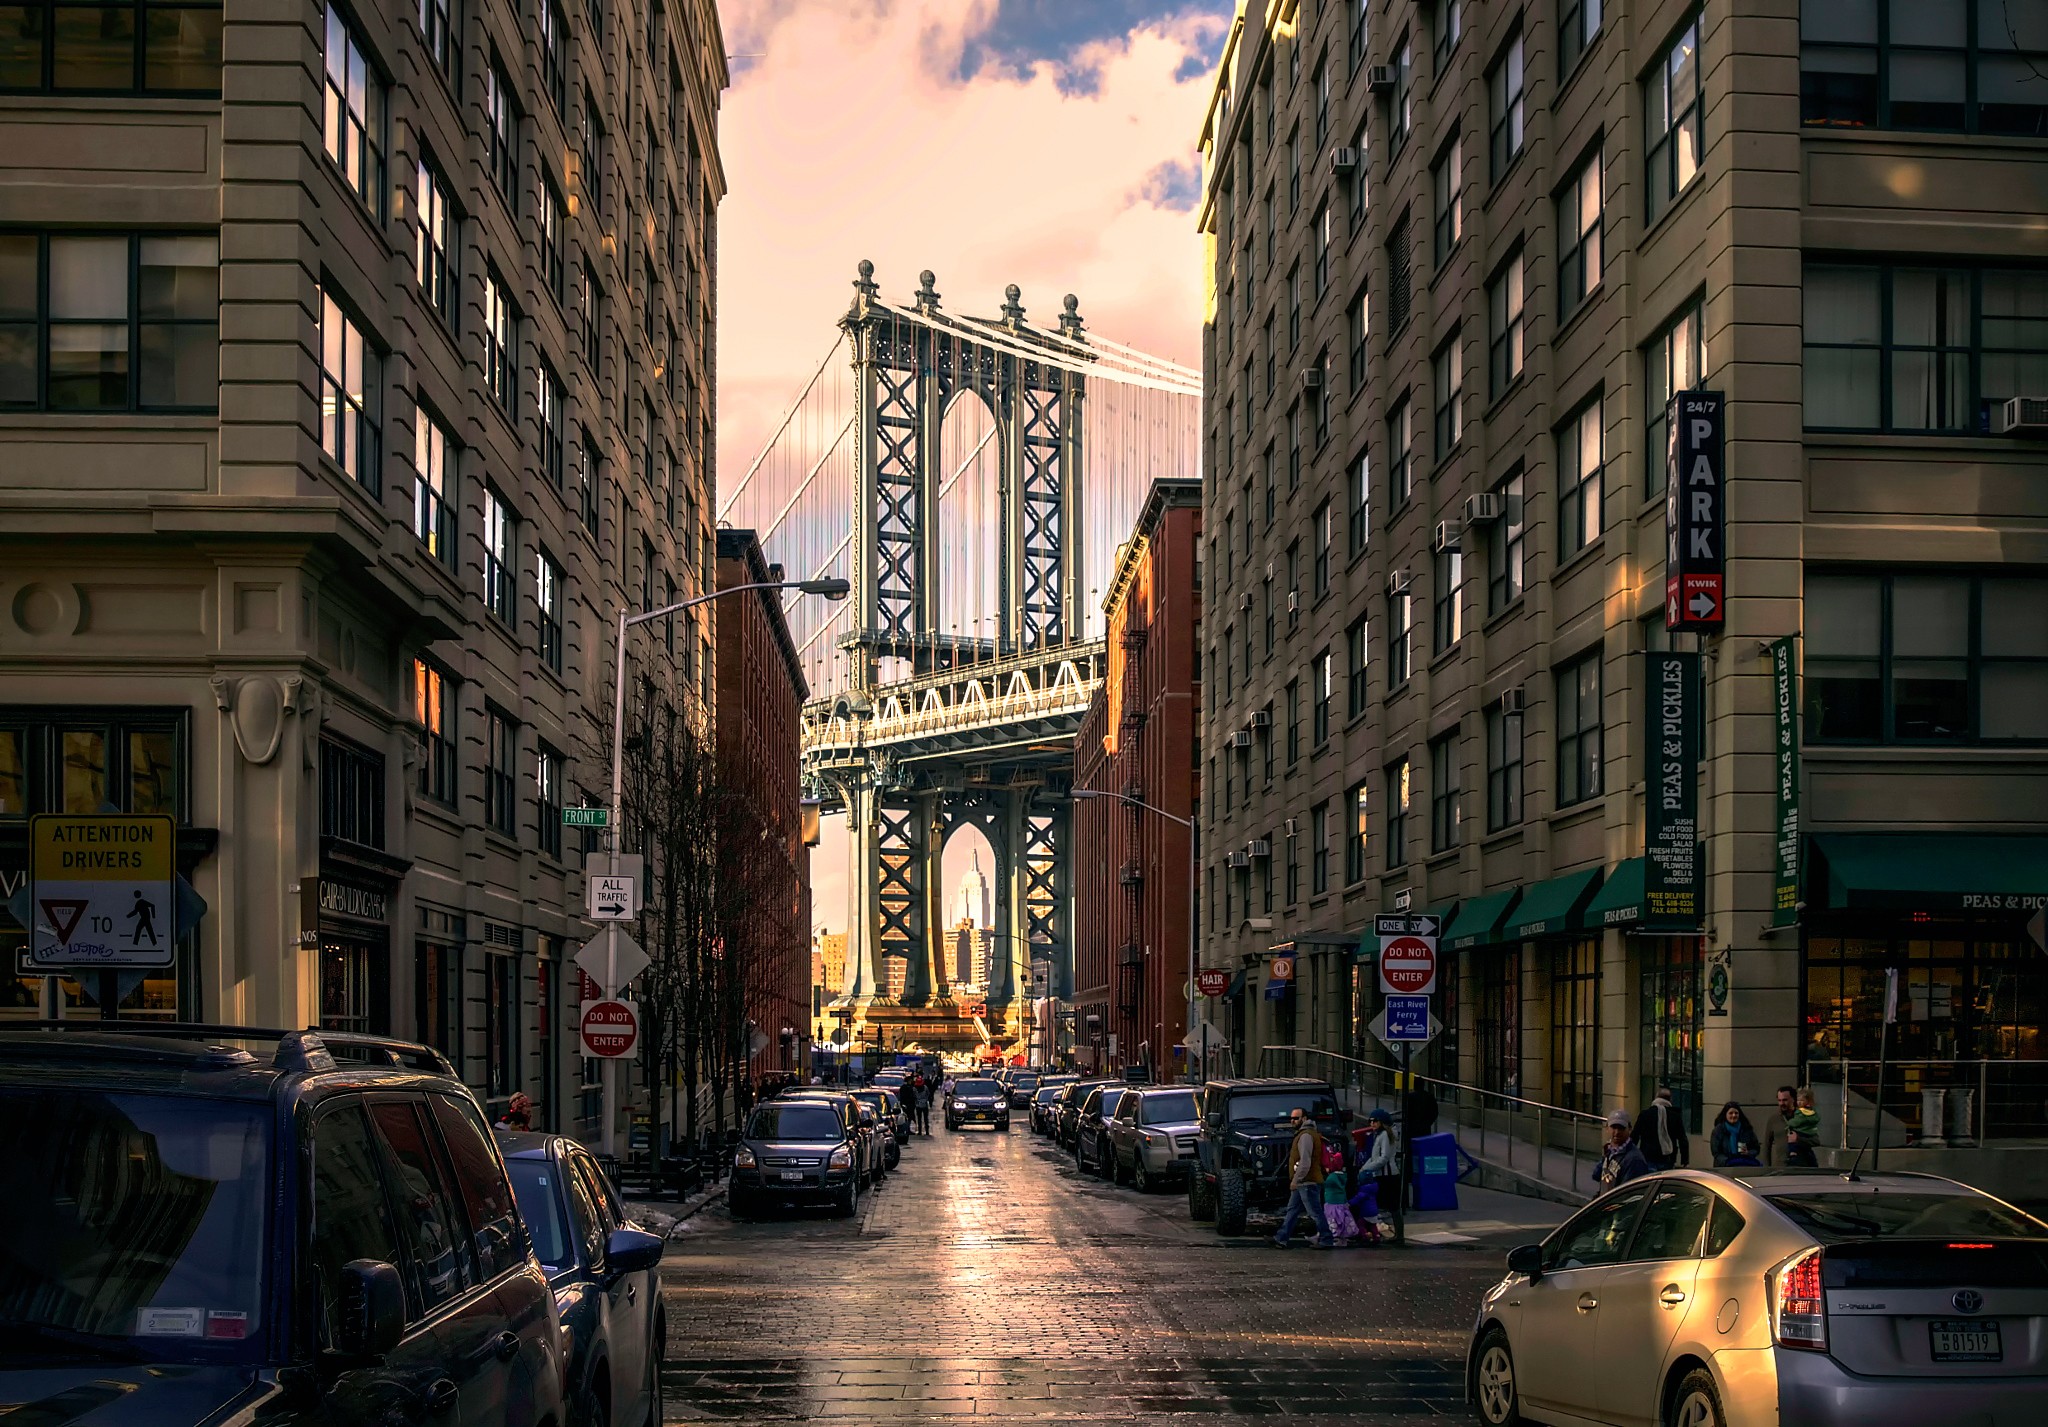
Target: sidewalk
<point>1485,1214</point>
<point>666,1216</point>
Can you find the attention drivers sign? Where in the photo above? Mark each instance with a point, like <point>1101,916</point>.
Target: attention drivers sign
<point>102,890</point>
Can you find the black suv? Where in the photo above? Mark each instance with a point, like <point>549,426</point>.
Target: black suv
<point>225,1221</point>
<point>1241,1148</point>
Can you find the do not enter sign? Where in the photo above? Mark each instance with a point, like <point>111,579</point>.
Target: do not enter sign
<point>610,1028</point>
<point>1407,955</point>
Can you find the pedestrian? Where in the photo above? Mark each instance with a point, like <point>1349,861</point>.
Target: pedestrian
<point>1774,1128</point>
<point>518,1114</point>
<point>1382,1165</point>
<point>1734,1139</point>
<point>1304,1181</point>
<point>1802,1133</point>
<point>1418,1111</point>
<point>1660,1133</point>
<point>923,1105</point>
<point>1365,1200</point>
<point>1620,1160</point>
<point>1337,1218</point>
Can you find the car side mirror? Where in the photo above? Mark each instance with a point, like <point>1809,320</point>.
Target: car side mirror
<point>369,1309</point>
<point>630,1250</point>
<point>1527,1260</point>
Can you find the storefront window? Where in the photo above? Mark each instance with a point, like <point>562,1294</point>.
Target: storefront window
<point>1575,1024</point>
<point>352,988</point>
<point>501,1033</point>
<point>1671,971</point>
<point>84,769</point>
<point>1499,1018</point>
<point>13,773</point>
<point>436,974</point>
<point>544,1011</point>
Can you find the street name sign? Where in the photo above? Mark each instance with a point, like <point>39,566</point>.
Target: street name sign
<point>610,898</point>
<point>610,1029</point>
<point>586,817</point>
<point>101,889</point>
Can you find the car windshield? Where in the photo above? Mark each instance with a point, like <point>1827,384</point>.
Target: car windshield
<point>1275,1105</point>
<point>1834,1217</point>
<point>795,1120</point>
<point>1175,1108</point>
<point>1024,1082</point>
<point>140,1225</point>
<point>973,1088</point>
<point>534,1184</point>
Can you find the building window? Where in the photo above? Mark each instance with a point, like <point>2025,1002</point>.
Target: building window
<point>1448,625</point>
<point>1950,67</point>
<point>1581,736</point>
<point>1398,275</point>
<point>1505,86</point>
<point>1293,307</point>
<point>1358,323</point>
<point>1503,769</point>
<point>501,343</point>
<point>1672,974</point>
<point>1359,800</point>
<point>1293,177</point>
<point>1672,108</point>
<point>547,590</point>
<point>1361,32</point>
<point>1293,866</point>
<point>1294,446</point>
<point>1578,23</point>
<point>434,463</point>
<point>554,53</point>
<point>1360,531</point>
<point>1506,328</point>
<point>547,787</point>
<point>592,137</point>
<point>109,323</point>
<point>1319,240</point>
<point>554,431</point>
<point>1320,569</point>
<point>350,373</point>
<point>1355,645</point>
<point>1580,230</point>
<point>1319,398</point>
<point>1266,743</point>
<point>1675,361</point>
<point>351,793</point>
<point>1575,1024</point>
<point>1505,576</point>
<point>1926,658</point>
<point>1293,722</point>
<point>435,245</point>
<point>1921,348</point>
<point>1400,455</point>
<point>1319,849</point>
<point>1447,189</point>
<point>1272,486</point>
<point>436,994</point>
<point>589,314</point>
<point>1400,637</point>
<point>1447,372</point>
<point>437,31</point>
<point>81,761</point>
<point>1444,814</point>
<point>433,707</point>
<point>501,758</point>
<point>553,237</point>
<point>501,1025</point>
<point>1449,28</point>
<point>1321,711</point>
<point>1498,1018</point>
<point>1579,494</point>
<point>122,48</point>
<point>1293,582</point>
<point>1401,103</point>
<point>501,133</point>
<point>353,122</point>
<point>501,558</point>
<point>1397,814</point>
<point>1361,179</point>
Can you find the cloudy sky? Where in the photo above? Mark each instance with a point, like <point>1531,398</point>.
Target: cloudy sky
<point>1049,143</point>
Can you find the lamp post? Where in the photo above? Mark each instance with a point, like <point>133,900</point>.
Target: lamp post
<point>831,589</point>
<point>1189,824</point>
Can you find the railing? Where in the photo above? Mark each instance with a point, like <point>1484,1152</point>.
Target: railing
<point>1931,1102</point>
<point>1551,1144</point>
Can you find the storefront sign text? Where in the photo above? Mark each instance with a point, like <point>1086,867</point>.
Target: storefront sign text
<point>1785,726</point>
<point>1671,836</point>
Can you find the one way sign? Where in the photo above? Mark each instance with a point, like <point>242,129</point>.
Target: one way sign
<point>1695,491</point>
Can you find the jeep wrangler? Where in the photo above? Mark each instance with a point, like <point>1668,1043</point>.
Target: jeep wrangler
<point>1241,1148</point>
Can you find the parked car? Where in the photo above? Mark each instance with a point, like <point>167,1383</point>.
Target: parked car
<point>1704,1299</point>
<point>602,1268</point>
<point>1020,1087</point>
<point>1066,1119</point>
<point>1152,1137</point>
<point>1241,1147</point>
<point>801,1149</point>
<point>283,1239</point>
<point>1091,1128</point>
<point>977,1102</point>
<point>890,1121</point>
<point>874,1156</point>
<point>1045,1099</point>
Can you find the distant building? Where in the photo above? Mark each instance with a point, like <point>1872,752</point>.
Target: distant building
<point>974,907</point>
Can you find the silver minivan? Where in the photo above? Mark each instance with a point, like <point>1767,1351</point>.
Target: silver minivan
<point>1765,1297</point>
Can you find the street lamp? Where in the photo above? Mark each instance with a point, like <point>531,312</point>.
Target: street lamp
<point>831,589</point>
<point>1189,824</point>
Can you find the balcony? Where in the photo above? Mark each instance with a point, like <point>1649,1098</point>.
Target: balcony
<point>1134,636</point>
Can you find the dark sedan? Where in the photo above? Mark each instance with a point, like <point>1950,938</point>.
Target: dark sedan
<point>799,1151</point>
<point>602,1270</point>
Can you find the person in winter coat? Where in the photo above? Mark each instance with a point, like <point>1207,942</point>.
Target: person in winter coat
<point>1802,1133</point>
<point>1660,1133</point>
<point>1620,1160</point>
<point>1337,1192</point>
<point>1304,1181</point>
<point>1381,1165</point>
<point>1734,1139</point>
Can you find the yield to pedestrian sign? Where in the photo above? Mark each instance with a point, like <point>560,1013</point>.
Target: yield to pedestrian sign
<point>101,890</point>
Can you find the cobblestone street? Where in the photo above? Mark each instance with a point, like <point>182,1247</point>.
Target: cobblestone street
<point>989,1281</point>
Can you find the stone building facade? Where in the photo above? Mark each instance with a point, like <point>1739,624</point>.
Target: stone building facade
<point>1461,257</point>
<point>356,366</point>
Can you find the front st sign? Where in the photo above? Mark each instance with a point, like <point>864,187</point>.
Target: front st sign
<point>102,891</point>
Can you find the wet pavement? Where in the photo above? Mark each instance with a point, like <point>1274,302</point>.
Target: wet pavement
<point>990,1282</point>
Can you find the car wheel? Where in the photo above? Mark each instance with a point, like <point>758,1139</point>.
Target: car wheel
<point>739,1205</point>
<point>1697,1403</point>
<point>1493,1382</point>
<point>1201,1198</point>
<point>657,1349</point>
<point>1140,1180</point>
<point>592,1408</point>
<point>1230,1202</point>
<point>849,1200</point>
<point>1105,1161</point>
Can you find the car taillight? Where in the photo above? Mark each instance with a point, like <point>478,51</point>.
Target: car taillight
<point>1799,1308</point>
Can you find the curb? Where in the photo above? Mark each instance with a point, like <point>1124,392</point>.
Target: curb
<point>674,1214</point>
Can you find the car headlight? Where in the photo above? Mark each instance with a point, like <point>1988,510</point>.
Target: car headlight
<point>842,1158</point>
<point>744,1159</point>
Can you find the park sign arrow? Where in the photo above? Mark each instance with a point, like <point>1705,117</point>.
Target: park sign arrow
<point>1695,514</point>
<point>102,891</point>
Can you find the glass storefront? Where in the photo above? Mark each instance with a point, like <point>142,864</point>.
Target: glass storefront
<point>1673,968</point>
<point>1497,972</point>
<point>1575,1024</point>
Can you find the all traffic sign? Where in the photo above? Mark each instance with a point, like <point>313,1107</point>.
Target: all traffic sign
<point>101,891</point>
<point>610,898</point>
<point>610,1029</point>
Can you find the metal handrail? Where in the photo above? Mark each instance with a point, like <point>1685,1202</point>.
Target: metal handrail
<point>1493,1116</point>
<point>1981,1098</point>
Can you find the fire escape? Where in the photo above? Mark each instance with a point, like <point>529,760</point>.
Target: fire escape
<point>1130,959</point>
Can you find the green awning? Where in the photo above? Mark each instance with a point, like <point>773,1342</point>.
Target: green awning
<point>1478,921</point>
<point>1929,872</point>
<point>1620,899</point>
<point>1369,942</point>
<point>1558,905</point>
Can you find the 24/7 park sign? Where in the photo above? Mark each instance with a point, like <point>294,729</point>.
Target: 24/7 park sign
<point>1695,518</point>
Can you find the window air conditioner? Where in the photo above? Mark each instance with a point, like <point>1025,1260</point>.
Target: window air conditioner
<point>2021,416</point>
<point>1312,378</point>
<point>1380,79</point>
<point>1343,160</point>
<point>1293,602</point>
<point>1397,582</point>
<point>1258,847</point>
<point>1290,827</point>
<point>1240,739</point>
<point>1244,601</point>
<point>1240,859</point>
<point>1511,700</point>
<point>1445,540</point>
<point>1483,509</point>
<point>1261,719</point>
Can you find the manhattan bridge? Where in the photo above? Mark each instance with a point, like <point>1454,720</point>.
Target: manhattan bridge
<point>971,477</point>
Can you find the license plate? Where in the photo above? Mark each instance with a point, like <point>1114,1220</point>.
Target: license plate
<point>1965,1340</point>
<point>791,1176</point>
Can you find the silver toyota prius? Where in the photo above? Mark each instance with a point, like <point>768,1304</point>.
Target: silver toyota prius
<point>1772,1298</point>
